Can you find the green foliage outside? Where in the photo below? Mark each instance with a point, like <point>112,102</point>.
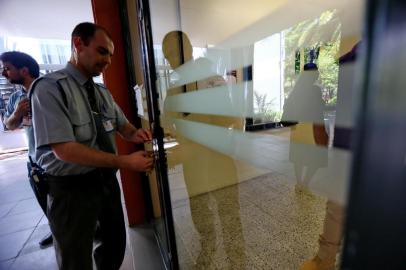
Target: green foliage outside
<point>298,42</point>
<point>304,37</point>
<point>263,111</point>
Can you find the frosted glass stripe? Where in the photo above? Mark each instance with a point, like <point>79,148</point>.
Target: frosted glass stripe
<point>194,70</point>
<point>272,153</point>
<point>216,63</point>
<point>229,100</point>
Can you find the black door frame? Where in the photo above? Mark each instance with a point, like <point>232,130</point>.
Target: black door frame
<point>167,248</point>
<point>375,234</point>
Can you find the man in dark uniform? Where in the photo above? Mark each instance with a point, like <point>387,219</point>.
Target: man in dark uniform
<point>76,147</point>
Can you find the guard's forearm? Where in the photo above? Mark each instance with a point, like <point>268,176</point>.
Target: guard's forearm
<point>128,132</point>
<point>80,154</point>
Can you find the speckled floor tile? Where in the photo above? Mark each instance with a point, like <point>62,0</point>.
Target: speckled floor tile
<point>263,223</point>
<point>185,258</point>
<point>234,259</point>
<point>269,261</point>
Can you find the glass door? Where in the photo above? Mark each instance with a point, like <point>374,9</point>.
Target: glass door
<point>232,195</point>
<point>148,109</point>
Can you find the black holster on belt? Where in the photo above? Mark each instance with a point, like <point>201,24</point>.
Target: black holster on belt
<point>39,177</point>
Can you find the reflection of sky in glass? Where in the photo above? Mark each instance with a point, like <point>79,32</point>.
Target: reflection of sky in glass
<point>267,70</point>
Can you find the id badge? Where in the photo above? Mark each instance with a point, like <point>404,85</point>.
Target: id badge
<point>108,126</point>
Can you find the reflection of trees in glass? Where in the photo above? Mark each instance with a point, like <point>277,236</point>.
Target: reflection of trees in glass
<point>322,35</point>
<point>328,68</point>
<point>263,109</point>
<point>291,40</point>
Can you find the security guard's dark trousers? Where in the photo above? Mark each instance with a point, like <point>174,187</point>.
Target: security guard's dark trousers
<point>75,205</point>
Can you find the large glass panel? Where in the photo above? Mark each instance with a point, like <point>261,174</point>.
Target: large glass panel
<point>256,101</point>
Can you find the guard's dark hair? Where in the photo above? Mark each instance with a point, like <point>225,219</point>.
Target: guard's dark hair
<point>20,60</point>
<point>86,31</point>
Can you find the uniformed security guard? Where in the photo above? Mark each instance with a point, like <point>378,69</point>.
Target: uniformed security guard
<point>75,146</point>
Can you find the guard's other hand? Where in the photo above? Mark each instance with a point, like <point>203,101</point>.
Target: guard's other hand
<point>142,136</point>
<point>139,161</point>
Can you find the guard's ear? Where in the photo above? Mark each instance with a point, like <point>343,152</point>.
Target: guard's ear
<point>77,44</point>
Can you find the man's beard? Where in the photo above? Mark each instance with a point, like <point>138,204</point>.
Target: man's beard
<point>17,81</point>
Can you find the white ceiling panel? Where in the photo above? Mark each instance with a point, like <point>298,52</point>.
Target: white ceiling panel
<point>44,19</point>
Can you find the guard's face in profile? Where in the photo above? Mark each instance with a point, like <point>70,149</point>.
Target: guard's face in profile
<point>96,56</point>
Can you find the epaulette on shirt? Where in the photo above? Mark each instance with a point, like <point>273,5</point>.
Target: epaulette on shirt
<point>57,75</point>
<point>54,76</point>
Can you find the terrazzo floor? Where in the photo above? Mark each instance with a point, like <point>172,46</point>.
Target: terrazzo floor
<point>262,223</point>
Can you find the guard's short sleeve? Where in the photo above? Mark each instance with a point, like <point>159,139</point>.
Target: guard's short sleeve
<point>50,115</point>
<point>121,119</point>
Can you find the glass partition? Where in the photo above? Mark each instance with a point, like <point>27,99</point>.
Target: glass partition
<point>256,100</point>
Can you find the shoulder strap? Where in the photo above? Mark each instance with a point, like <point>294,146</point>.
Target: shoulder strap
<point>57,75</point>
<point>63,94</point>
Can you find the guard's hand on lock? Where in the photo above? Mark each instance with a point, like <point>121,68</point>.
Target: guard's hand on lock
<point>140,161</point>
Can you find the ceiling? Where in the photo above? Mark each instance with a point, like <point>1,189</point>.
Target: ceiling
<point>45,19</point>
<point>207,22</point>
<point>238,22</point>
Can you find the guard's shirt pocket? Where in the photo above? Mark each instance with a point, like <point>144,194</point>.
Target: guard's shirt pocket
<point>109,120</point>
<point>82,127</point>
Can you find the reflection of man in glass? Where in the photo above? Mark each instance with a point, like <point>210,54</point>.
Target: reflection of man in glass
<point>305,107</point>
<point>178,50</point>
